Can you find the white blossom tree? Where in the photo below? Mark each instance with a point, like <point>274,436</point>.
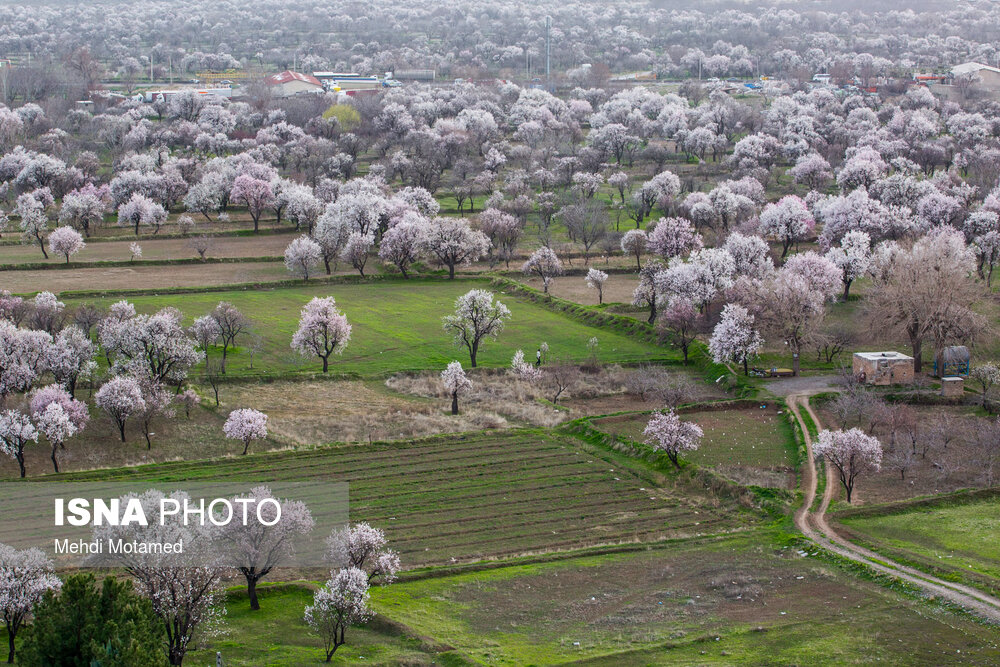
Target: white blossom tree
<point>121,398</point>
<point>267,539</point>
<point>455,382</point>
<point>595,279</point>
<point>302,256</point>
<point>545,264</point>
<point>735,337</point>
<point>25,576</point>
<point>852,453</point>
<point>477,317</point>
<point>337,605</point>
<point>16,431</point>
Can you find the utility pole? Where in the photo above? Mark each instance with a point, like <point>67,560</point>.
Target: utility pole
<point>548,53</point>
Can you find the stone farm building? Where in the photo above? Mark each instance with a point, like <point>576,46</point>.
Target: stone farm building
<point>883,368</point>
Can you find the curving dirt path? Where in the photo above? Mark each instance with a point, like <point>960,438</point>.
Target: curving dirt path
<point>813,525</point>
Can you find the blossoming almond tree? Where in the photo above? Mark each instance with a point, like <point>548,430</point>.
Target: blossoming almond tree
<point>245,425</point>
<point>735,337</point>
<point>120,397</point>
<point>256,548</point>
<point>16,430</point>
<point>55,424</point>
<point>302,256</point>
<point>455,382</point>
<point>667,433</point>
<point>66,241</point>
<point>851,452</point>
<point>545,264</point>
<point>339,604</point>
<point>25,576</point>
<point>595,280</point>
<point>477,317</point>
<point>363,546</point>
<point>323,330</point>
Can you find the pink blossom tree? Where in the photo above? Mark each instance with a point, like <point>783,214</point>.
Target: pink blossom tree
<point>681,323</point>
<point>70,357</point>
<point>34,221</point>
<point>25,576</point>
<point>666,433</point>
<point>477,318</point>
<point>302,256</point>
<point>245,425</point>
<point>365,547</point>
<point>453,242</point>
<point>545,264</point>
<point>401,243</point>
<point>673,237</point>
<point>852,453</point>
<point>16,431</point>
<point>66,241</point>
<point>323,330</point>
<point>357,250</point>
<point>820,272</point>
<point>339,604</point>
<point>121,398</point>
<point>255,194</point>
<point>455,382</point>
<point>232,324</point>
<point>522,369</point>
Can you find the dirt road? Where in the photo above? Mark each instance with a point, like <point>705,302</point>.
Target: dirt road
<point>813,525</point>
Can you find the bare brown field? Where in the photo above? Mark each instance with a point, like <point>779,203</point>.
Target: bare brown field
<point>267,245</point>
<point>141,276</point>
<point>618,288</point>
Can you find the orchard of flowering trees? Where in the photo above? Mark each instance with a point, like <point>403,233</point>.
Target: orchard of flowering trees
<point>696,194</point>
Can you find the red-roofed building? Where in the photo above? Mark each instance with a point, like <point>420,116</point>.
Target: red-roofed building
<point>288,83</point>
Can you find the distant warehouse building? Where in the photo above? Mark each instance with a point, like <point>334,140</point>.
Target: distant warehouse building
<point>989,77</point>
<point>289,83</point>
<point>414,75</point>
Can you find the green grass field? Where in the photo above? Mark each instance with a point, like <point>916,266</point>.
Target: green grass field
<point>751,445</point>
<point>960,539</point>
<point>475,496</point>
<point>277,635</point>
<point>739,600</point>
<point>397,327</point>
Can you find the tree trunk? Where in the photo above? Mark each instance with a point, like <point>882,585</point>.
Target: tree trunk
<point>41,244</point>
<point>252,592</point>
<point>451,271</point>
<point>326,364</point>
<point>917,347</point>
<point>847,289</point>
<point>121,428</point>
<point>746,369</point>
<point>20,462</point>
<point>652,312</point>
<point>10,645</point>
<point>454,403</point>
<point>795,364</point>
<point>55,463</point>
<point>246,447</point>
<point>473,351</point>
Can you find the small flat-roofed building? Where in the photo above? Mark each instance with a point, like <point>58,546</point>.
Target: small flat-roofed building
<point>883,368</point>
